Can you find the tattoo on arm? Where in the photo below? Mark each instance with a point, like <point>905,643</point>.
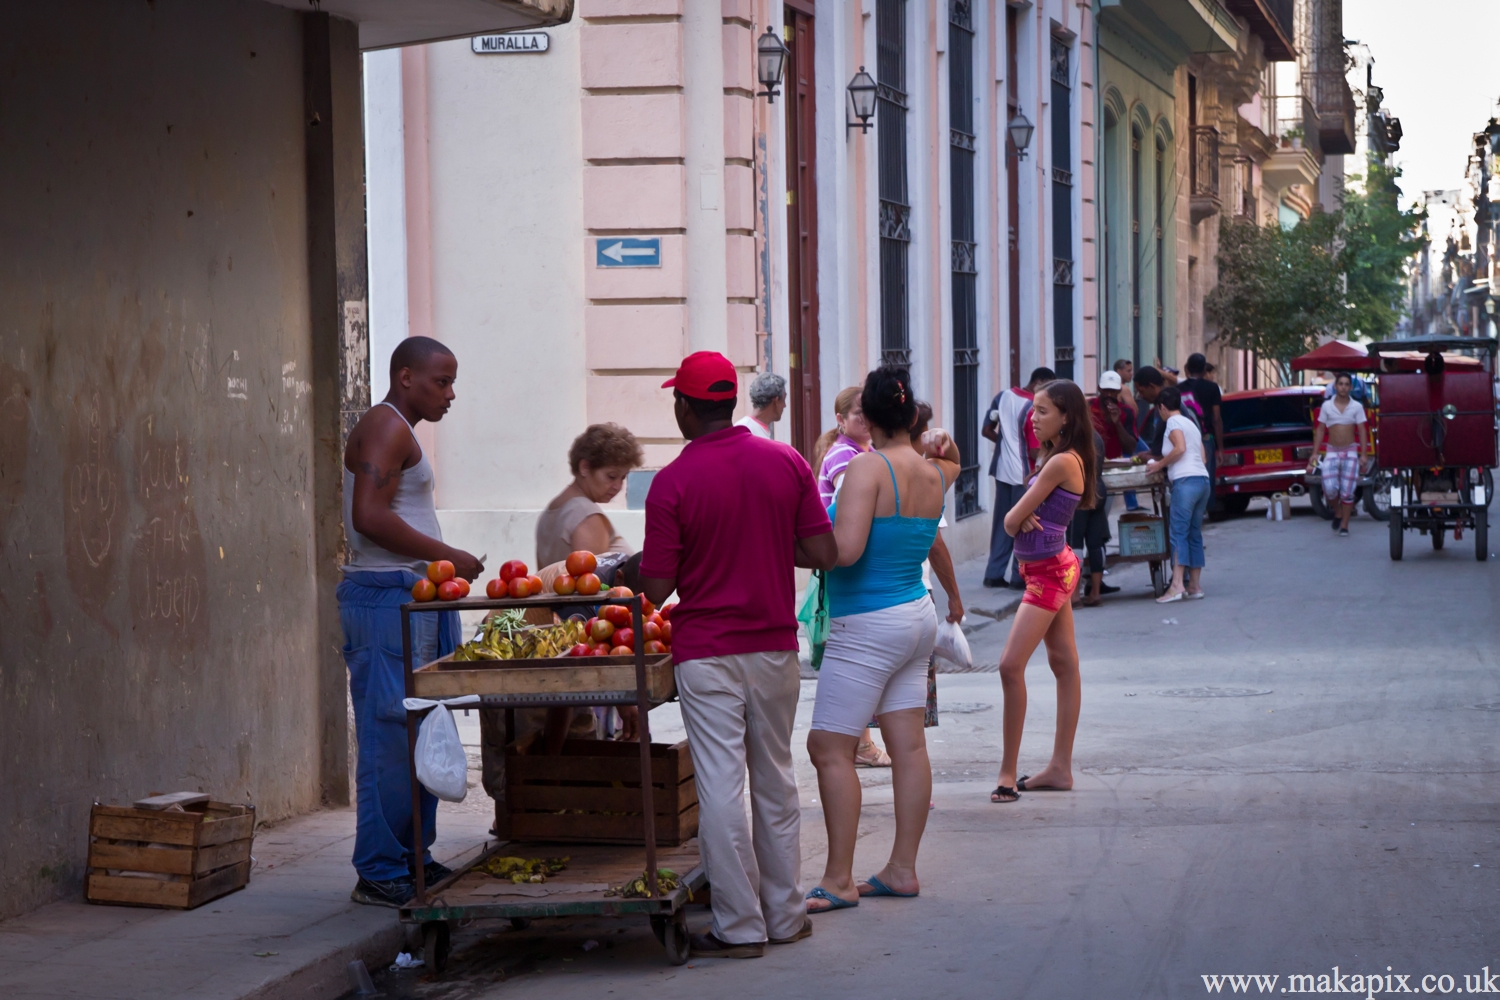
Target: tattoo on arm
<point>381,479</point>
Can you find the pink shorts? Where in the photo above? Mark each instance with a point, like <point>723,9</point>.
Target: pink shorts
<point>1050,581</point>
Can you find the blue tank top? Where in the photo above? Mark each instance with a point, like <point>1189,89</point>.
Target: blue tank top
<point>889,572</point>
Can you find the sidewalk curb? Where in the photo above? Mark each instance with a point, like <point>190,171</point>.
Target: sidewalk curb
<point>327,977</point>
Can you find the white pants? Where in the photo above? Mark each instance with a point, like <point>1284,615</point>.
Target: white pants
<point>874,663</point>
<point>738,711</point>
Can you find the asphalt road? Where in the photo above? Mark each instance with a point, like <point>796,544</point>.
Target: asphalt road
<point>1297,773</point>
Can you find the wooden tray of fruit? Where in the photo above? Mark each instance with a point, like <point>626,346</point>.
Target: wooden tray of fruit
<point>607,678</point>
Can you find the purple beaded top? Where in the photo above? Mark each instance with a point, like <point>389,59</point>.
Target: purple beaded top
<point>1056,513</point>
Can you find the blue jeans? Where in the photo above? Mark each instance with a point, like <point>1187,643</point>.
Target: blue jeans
<point>1131,503</point>
<point>1002,545</point>
<point>370,611</point>
<point>1189,504</point>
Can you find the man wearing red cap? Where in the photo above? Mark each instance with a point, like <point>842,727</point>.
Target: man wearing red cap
<point>726,522</point>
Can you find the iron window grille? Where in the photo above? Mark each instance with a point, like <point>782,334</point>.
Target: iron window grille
<point>964,276</point>
<point>895,205</point>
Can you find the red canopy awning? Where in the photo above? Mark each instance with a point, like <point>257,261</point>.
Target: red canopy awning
<point>1334,356</point>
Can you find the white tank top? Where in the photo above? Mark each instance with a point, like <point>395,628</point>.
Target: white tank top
<point>413,503</point>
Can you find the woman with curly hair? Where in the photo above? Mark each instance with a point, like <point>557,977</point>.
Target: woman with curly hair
<point>600,459</point>
<point>1039,523</point>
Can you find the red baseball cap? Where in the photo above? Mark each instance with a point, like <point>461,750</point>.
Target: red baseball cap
<point>705,375</point>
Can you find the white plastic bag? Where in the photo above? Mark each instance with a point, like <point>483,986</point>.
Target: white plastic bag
<point>952,646</point>
<point>442,767</point>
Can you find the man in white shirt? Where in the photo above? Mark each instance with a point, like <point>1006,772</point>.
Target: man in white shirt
<point>1007,425</point>
<point>767,404</point>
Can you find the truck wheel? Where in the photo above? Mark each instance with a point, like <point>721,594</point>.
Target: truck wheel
<point>1235,504</point>
<point>1398,530</point>
<point>1315,497</point>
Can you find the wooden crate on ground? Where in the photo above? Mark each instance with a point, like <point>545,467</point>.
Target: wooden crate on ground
<point>591,792</point>
<point>177,860</point>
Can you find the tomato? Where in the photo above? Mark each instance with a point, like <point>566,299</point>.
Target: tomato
<point>601,630</point>
<point>601,650</point>
<point>656,617</point>
<point>622,651</point>
<point>588,584</point>
<point>666,631</point>
<point>424,590</point>
<point>563,585</point>
<point>666,612</point>
<point>496,589</point>
<point>534,585</point>
<point>651,631</point>
<point>519,586</point>
<point>463,585</point>
<point>615,613</point>
<point>582,649</point>
<point>449,590</point>
<point>581,562</point>
<point>647,608</point>
<point>509,571</point>
<point>620,592</point>
<point>655,648</point>
<point>625,637</point>
<point>588,626</point>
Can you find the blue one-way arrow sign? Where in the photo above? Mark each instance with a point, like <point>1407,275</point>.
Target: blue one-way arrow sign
<point>622,251</point>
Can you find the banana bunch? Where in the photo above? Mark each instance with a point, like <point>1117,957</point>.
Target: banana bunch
<point>520,870</point>
<point>506,636</point>
<point>666,881</point>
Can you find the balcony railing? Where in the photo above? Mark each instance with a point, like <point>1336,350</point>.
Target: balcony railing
<point>1203,172</point>
<point>1273,21</point>
<point>1334,104</point>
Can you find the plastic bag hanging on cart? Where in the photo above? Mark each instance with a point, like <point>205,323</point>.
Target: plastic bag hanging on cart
<point>442,767</point>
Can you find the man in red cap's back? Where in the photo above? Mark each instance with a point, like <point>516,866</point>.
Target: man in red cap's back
<point>726,522</point>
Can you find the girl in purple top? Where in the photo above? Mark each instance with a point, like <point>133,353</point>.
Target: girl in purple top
<point>1039,522</point>
<point>836,447</point>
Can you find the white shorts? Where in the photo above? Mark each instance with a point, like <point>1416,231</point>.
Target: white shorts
<point>874,663</point>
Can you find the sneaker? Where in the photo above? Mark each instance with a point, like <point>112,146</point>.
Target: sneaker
<point>995,584</point>
<point>1334,523</point>
<point>708,946</point>
<point>1105,588</point>
<point>1343,532</point>
<point>394,893</point>
<point>1018,585</point>
<point>434,872</point>
<point>805,931</point>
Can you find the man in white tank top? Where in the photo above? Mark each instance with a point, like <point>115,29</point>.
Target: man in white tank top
<point>392,532</point>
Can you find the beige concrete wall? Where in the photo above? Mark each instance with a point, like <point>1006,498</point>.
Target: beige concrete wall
<point>156,485</point>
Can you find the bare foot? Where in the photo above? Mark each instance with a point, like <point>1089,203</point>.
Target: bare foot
<point>1049,778</point>
<point>895,878</point>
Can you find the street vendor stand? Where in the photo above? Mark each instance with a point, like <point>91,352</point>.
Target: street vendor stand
<point>544,683</point>
<point>1145,539</point>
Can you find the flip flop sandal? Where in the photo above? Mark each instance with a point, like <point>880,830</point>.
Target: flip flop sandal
<point>870,755</point>
<point>1006,793</point>
<point>1169,598</point>
<point>879,888</point>
<point>834,902</point>
<point>1021,786</point>
<point>1196,597</point>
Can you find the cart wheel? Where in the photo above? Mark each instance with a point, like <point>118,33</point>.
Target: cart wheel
<point>1437,538</point>
<point>1482,536</point>
<point>435,944</point>
<point>519,923</point>
<point>1377,496</point>
<point>1159,577</point>
<point>659,928</point>
<point>1398,533</point>
<point>675,937</point>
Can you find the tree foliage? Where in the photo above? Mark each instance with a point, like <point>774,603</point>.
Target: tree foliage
<point>1282,290</point>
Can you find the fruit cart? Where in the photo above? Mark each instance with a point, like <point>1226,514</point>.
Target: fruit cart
<point>1144,535</point>
<point>1437,438</point>
<point>642,680</point>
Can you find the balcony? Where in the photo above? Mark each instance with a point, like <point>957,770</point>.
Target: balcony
<point>1289,166</point>
<point>1272,21</point>
<point>1199,25</point>
<point>1203,173</point>
<point>1334,104</point>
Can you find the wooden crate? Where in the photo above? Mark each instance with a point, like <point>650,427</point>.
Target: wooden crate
<point>591,792</point>
<point>183,859</point>
<point>544,677</point>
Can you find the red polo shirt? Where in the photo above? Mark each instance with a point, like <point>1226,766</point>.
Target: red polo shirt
<point>723,520</point>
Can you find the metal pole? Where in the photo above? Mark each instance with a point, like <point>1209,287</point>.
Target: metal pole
<point>411,761</point>
<point>643,705</point>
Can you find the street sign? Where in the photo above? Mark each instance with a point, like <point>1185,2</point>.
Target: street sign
<point>512,42</point>
<point>623,251</point>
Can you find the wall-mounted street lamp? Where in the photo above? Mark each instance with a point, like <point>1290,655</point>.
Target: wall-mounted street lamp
<point>770,63</point>
<point>861,101</point>
<point>1020,129</point>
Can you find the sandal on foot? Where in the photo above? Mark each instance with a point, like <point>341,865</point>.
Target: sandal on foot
<point>870,755</point>
<point>1021,786</point>
<point>879,888</point>
<point>1005,794</point>
<point>834,902</point>
<point>1170,598</point>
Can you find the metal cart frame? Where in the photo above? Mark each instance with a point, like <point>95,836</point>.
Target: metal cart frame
<point>665,910</point>
<point>1161,506</point>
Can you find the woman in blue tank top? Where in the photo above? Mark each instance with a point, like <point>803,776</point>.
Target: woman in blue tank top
<point>1039,521</point>
<point>882,629</point>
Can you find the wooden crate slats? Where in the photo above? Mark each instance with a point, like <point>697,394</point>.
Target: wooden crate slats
<point>156,828</point>
<point>161,860</point>
<point>213,886</point>
<point>205,854</point>
<point>565,676</point>
<point>222,831</point>
<point>598,829</point>
<point>554,798</point>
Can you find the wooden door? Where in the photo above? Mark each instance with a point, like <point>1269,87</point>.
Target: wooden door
<point>802,231</point>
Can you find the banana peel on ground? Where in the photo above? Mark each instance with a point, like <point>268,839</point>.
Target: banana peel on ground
<point>521,870</point>
<point>666,881</point>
